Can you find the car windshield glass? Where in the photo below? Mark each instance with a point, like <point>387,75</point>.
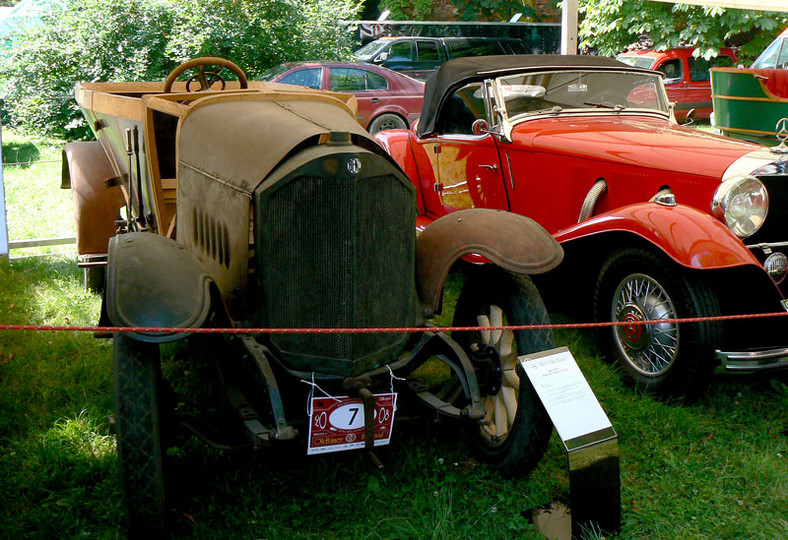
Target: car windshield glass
<point>644,62</point>
<point>370,50</point>
<point>558,91</point>
<point>774,56</point>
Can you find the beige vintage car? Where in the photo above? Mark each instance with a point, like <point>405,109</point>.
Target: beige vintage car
<point>267,211</point>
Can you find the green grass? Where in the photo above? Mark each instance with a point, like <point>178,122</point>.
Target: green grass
<point>36,207</point>
<point>712,469</point>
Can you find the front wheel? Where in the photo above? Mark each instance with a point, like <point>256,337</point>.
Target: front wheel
<point>666,358</point>
<point>513,435</point>
<point>137,384</point>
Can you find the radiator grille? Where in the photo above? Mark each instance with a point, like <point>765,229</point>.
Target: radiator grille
<point>337,253</point>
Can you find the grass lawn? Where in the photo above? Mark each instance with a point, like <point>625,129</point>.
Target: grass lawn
<point>715,468</point>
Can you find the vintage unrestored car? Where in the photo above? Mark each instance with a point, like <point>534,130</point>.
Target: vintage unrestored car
<point>658,221</point>
<point>260,207</point>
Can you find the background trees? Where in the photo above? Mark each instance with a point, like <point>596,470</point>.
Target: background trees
<point>90,40</point>
<point>608,26</point>
<point>122,40</point>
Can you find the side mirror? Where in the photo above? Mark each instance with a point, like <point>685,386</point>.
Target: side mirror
<point>382,57</point>
<point>690,117</point>
<point>480,127</point>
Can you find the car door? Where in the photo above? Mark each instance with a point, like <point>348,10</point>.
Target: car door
<point>370,89</point>
<point>467,168</point>
<point>430,54</point>
<point>401,57</point>
<point>675,85</point>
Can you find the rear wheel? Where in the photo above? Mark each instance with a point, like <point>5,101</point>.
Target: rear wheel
<point>515,430</point>
<point>137,384</point>
<point>387,121</point>
<point>669,359</point>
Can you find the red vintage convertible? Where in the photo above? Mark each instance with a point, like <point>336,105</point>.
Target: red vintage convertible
<point>658,221</point>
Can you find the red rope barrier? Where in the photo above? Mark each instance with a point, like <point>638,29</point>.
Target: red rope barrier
<point>409,330</point>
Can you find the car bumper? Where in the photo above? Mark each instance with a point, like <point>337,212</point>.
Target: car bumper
<point>753,360</point>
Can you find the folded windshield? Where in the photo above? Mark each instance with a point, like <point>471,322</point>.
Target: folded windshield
<point>565,90</point>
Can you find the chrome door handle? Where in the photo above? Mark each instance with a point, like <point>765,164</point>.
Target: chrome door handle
<point>493,167</point>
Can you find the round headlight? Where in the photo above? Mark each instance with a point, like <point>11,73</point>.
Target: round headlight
<point>741,203</point>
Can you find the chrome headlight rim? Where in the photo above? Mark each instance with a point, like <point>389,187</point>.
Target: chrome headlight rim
<point>727,198</point>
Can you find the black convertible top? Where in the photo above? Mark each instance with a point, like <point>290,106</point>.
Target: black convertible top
<point>461,71</point>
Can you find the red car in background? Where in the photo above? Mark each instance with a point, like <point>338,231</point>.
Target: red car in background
<point>386,99</point>
<point>687,78</point>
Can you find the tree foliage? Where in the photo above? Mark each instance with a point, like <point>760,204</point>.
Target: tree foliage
<point>126,40</point>
<point>608,26</point>
<point>465,10</point>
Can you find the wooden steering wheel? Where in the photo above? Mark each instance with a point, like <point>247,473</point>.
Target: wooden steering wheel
<point>204,79</point>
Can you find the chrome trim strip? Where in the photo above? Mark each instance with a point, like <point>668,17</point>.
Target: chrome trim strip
<point>746,361</point>
<point>511,174</point>
<point>767,245</point>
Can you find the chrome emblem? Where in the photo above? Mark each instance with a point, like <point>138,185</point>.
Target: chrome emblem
<point>354,165</point>
<point>782,129</point>
<point>782,135</point>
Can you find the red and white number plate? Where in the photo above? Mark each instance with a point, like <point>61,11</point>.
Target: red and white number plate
<point>338,423</point>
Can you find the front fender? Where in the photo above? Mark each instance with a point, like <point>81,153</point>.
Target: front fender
<point>153,281</point>
<point>513,242</point>
<point>688,236</point>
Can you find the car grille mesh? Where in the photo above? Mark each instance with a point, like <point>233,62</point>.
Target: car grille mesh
<point>337,253</point>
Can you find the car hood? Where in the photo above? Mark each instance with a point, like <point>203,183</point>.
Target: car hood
<point>635,141</point>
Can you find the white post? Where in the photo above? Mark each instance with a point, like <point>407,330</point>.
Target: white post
<point>569,27</point>
<point>3,222</point>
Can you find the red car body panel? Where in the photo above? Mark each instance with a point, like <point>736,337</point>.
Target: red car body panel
<point>547,170</point>
<point>688,236</point>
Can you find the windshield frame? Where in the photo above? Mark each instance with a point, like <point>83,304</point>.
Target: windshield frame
<point>500,84</point>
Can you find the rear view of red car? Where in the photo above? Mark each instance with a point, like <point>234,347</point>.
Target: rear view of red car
<point>687,78</point>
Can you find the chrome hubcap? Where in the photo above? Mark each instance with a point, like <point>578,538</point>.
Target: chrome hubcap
<point>650,349</point>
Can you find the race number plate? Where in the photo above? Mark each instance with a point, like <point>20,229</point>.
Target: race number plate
<point>338,423</point>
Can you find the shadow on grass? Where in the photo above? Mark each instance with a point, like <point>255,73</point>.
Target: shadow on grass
<point>23,153</point>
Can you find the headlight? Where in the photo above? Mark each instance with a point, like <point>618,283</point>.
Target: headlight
<point>741,202</point>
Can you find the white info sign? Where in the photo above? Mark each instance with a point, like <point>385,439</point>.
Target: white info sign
<point>565,393</point>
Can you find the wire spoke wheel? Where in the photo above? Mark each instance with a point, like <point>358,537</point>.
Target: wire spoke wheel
<point>664,357</point>
<point>651,349</point>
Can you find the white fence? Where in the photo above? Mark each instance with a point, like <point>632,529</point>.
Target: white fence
<point>6,245</point>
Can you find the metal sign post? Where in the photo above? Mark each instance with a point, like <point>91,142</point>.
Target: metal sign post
<point>3,222</point>
<point>588,436</point>
<point>569,27</point>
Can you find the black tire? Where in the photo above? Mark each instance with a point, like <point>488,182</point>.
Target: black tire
<point>666,359</point>
<point>513,446</point>
<point>137,384</point>
<point>387,121</point>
